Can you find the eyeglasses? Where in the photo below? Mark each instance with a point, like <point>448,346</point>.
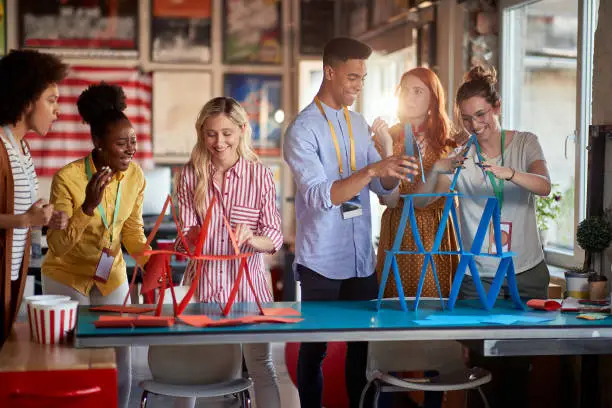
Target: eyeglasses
<point>479,117</point>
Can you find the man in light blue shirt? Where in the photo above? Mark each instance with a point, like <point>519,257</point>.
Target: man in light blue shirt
<point>334,164</point>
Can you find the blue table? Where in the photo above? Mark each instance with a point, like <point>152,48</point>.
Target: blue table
<point>351,321</point>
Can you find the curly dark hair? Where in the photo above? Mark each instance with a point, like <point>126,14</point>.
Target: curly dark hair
<point>101,105</point>
<point>25,75</point>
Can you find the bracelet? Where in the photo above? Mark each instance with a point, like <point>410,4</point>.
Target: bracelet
<point>512,176</point>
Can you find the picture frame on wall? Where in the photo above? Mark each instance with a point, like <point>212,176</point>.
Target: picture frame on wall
<point>176,105</point>
<point>80,28</point>
<point>252,32</point>
<point>2,27</point>
<point>181,31</point>
<point>260,96</point>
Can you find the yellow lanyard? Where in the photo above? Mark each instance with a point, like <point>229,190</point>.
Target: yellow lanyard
<point>335,139</point>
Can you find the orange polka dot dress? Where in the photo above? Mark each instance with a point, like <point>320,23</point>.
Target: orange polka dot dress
<point>428,220</point>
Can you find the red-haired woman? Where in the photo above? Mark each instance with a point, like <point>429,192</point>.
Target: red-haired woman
<point>422,105</point>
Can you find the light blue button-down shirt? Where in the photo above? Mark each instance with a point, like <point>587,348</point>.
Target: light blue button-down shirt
<point>325,242</point>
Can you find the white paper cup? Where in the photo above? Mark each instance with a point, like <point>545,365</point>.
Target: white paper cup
<point>53,320</point>
<point>37,298</point>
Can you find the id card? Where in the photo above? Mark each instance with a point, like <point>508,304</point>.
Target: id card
<point>105,264</point>
<point>351,208</point>
<point>506,237</point>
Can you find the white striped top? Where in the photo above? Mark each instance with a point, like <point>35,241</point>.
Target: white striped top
<point>249,197</point>
<point>23,199</point>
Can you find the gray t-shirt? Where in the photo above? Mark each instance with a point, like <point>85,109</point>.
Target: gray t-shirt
<point>518,204</point>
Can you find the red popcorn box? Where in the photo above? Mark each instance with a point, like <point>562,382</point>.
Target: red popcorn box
<point>54,320</point>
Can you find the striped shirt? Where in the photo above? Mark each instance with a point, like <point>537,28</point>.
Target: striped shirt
<point>23,174</point>
<point>248,197</point>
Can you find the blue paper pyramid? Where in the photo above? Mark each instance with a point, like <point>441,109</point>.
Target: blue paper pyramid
<point>491,213</point>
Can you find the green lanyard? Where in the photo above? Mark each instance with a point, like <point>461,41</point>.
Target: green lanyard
<point>100,208</point>
<point>497,184</point>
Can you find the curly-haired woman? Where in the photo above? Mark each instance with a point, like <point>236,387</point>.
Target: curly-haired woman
<point>28,102</point>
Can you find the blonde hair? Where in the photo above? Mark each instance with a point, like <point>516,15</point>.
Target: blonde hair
<point>200,156</point>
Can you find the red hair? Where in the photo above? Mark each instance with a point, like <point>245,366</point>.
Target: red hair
<point>438,126</point>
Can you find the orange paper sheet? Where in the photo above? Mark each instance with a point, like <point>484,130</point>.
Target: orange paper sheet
<point>205,321</point>
<point>134,321</point>
<point>196,321</point>
<point>285,311</point>
<point>121,309</point>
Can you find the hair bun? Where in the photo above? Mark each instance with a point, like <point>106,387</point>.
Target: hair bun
<point>99,99</point>
<point>480,73</point>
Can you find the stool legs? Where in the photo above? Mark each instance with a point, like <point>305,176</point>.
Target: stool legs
<point>143,399</point>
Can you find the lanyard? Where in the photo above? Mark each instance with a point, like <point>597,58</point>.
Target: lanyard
<point>100,208</point>
<point>497,184</point>
<point>335,139</point>
<point>24,168</point>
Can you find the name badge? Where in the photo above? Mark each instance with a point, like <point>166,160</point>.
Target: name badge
<point>105,264</point>
<point>506,238</point>
<point>351,208</point>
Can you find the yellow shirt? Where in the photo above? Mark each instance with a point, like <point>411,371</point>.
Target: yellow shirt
<point>74,252</point>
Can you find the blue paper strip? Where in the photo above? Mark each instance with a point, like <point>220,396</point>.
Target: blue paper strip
<point>409,144</point>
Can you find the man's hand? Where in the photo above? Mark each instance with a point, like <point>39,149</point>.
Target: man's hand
<point>395,166</point>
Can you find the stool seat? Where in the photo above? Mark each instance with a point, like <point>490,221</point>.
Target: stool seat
<point>235,386</point>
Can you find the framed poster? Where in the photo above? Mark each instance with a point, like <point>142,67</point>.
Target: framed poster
<point>260,96</point>
<point>176,104</point>
<point>180,31</point>
<point>2,27</point>
<point>252,31</point>
<point>80,28</point>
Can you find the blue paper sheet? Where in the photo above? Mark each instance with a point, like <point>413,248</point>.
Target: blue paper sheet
<point>463,320</point>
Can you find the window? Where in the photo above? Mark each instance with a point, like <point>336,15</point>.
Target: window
<point>547,52</point>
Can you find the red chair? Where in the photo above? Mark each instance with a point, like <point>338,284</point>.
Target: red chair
<point>334,386</point>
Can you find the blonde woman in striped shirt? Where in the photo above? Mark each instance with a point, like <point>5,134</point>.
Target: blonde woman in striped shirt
<point>224,166</point>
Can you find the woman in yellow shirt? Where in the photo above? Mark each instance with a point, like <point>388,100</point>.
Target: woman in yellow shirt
<point>102,195</point>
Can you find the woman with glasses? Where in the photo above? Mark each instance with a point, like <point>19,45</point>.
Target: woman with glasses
<point>509,164</point>
<point>422,105</point>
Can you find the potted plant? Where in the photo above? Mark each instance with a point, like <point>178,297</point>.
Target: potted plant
<point>594,235</point>
<point>547,209</point>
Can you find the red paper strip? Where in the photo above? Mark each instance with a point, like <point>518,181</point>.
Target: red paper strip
<point>205,224</point>
<point>121,309</point>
